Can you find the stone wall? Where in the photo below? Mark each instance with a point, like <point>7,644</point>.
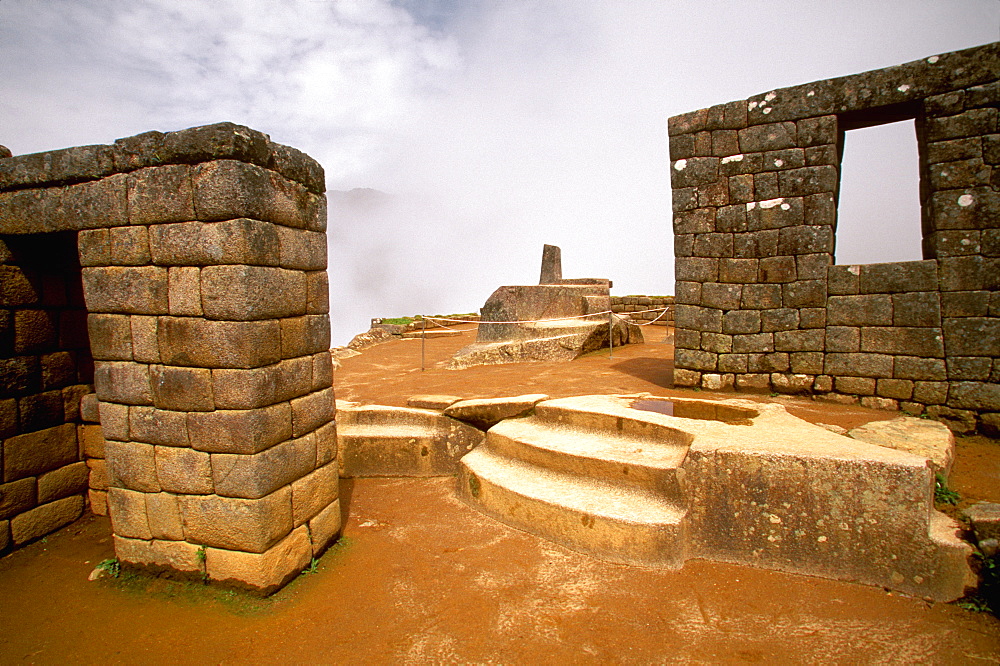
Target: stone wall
<point>761,304</point>
<point>203,257</point>
<point>636,306</point>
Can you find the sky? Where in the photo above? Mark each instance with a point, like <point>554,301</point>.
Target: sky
<point>478,130</point>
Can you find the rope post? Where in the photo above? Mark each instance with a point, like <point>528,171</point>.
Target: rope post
<point>423,342</point>
<point>611,335</point>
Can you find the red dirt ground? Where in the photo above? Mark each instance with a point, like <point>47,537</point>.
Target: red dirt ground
<point>419,577</point>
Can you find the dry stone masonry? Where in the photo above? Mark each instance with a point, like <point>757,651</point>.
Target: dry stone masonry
<point>761,303</point>
<point>191,267</point>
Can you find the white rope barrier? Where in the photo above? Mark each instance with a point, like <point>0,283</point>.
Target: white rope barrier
<point>620,315</point>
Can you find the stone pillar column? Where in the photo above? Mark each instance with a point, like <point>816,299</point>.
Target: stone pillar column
<point>210,331</point>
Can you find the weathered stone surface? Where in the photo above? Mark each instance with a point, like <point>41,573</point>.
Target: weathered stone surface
<point>260,474</point>
<point>317,292</point>
<point>326,443</point>
<point>159,555</point>
<point>252,525</point>
<point>486,412</point>
<point>123,382</point>
<point>985,519</point>
<point>164,516</point>
<point>190,341</point>
<point>262,573</point>
<point>126,289</point>
<point>322,371</point>
<point>97,478</point>
<point>922,437</point>
<point>98,500</point>
<point>183,470</point>
<point>301,336</point>
<point>62,482</point>
<point>114,421</point>
<point>858,365</point>
<point>17,497</point>
<point>236,241</point>
<point>110,337</point>
<point>245,293</point>
<point>314,492</point>
<point>131,465</point>
<point>923,342</point>
<point>129,246</point>
<point>45,519</point>
<point>972,336</point>
<point>240,431</point>
<point>227,189</point>
<point>158,426</point>
<point>181,389</point>
<point>904,276</point>
<point>184,290</point>
<point>324,528</point>
<point>975,395</point>
<point>34,453</point>
<point>312,411</point>
<point>869,310</point>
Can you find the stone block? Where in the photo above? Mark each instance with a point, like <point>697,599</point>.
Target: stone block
<point>714,194</point>
<point>822,155</point>
<point>189,341</point>
<point>713,245</point>
<point>867,310</point>
<point>315,492</point>
<point>959,174</point>
<point>58,370</point>
<point>773,136</point>
<point>98,204</point>
<point>326,443</point>
<point>126,289</point>
<point>17,497</point>
<point>965,303</point>
<point>160,194</point>
<point>966,208</point>
<point>985,520</point>
<point>963,273</point>
<point>685,338</point>
<point>45,519</point>
<point>725,142</point>
<point>691,359</point>
<point>779,319</point>
<point>809,363</point>
<point>160,556</point>
<point>855,385</point>
<point>694,171</point>
<point>804,294</point>
<point>156,426</point>
<point>807,180</point>
<point>317,292</point>
<point>131,465</point>
<point>805,240</point>
<point>110,337</point>
<point>774,213</point>
<point>923,342</point>
<point>791,384</point>
<point>114,421</point>
<point>63,482</point>
<point>907,276</point>
<point>243,293</point>
<point>982,396</point>
<point>34,453</point>
<point>181,389</point>
<point>843,339</point>
<point>858,365</point>
<point>875,402</point>
<point>698,318</point>
<point>97,476</point>
<point>145,348</point>
<point>163,513</point>
<point>732,363</point>
<point>262,573</point>
<point>956,242</point>
<point>741,322</point>
<point>322,371</point>
<point>98,500</point>
<point>696,269</point>
<point>698,221</point>
<point>183,470</point>
<point>325,527</point>
<point>301,249</point>
<point>685,123</point>
<point>240,431</point>
<point>976,368</point>
<point>251,525</point>
<point>917,309</point>
<point>740,190</point>
<point>796,341</point>
<point>94,247</point>
<point>961,421</point>
<point>843,280</point>
<point>716,343</point>
<point>817,131</point>
<point>721,296</point>
<point>228,189</point>
<point>312,411</point>
<point>732,165</point>
<point>756,343</point>
<point>122,382</point>
<point>129,246</point>
<point>753,382</point>
<point>293,378</point>
<point>761,296</point>
<point>184,291</point>
<point>34,331</point>
<point>777,269</point>
<point>956,149</point>
<point>254,476</point>
<point>789,158</point>
<point>972,336</point>
<point>899,389</point>
<point>238,241</point>
<point>974,122</point>
<point>910,367</point>
<point>41,410</point>
<point>681,147</point>
<point>127,510</point>
<point>301,336</point>
<point>684,377</point>
<point>768,363</point>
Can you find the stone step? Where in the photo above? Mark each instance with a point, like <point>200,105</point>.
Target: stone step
<point>637,462</point>
<point>609,419</point>
<point>606,520</point>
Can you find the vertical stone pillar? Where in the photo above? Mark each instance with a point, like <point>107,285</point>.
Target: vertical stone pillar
<point>209,326</point>
<point>551,265</point>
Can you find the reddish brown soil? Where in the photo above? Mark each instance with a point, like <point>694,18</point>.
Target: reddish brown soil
<point>420,577</point>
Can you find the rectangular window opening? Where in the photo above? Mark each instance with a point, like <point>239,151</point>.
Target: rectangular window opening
<point>878,214</point>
